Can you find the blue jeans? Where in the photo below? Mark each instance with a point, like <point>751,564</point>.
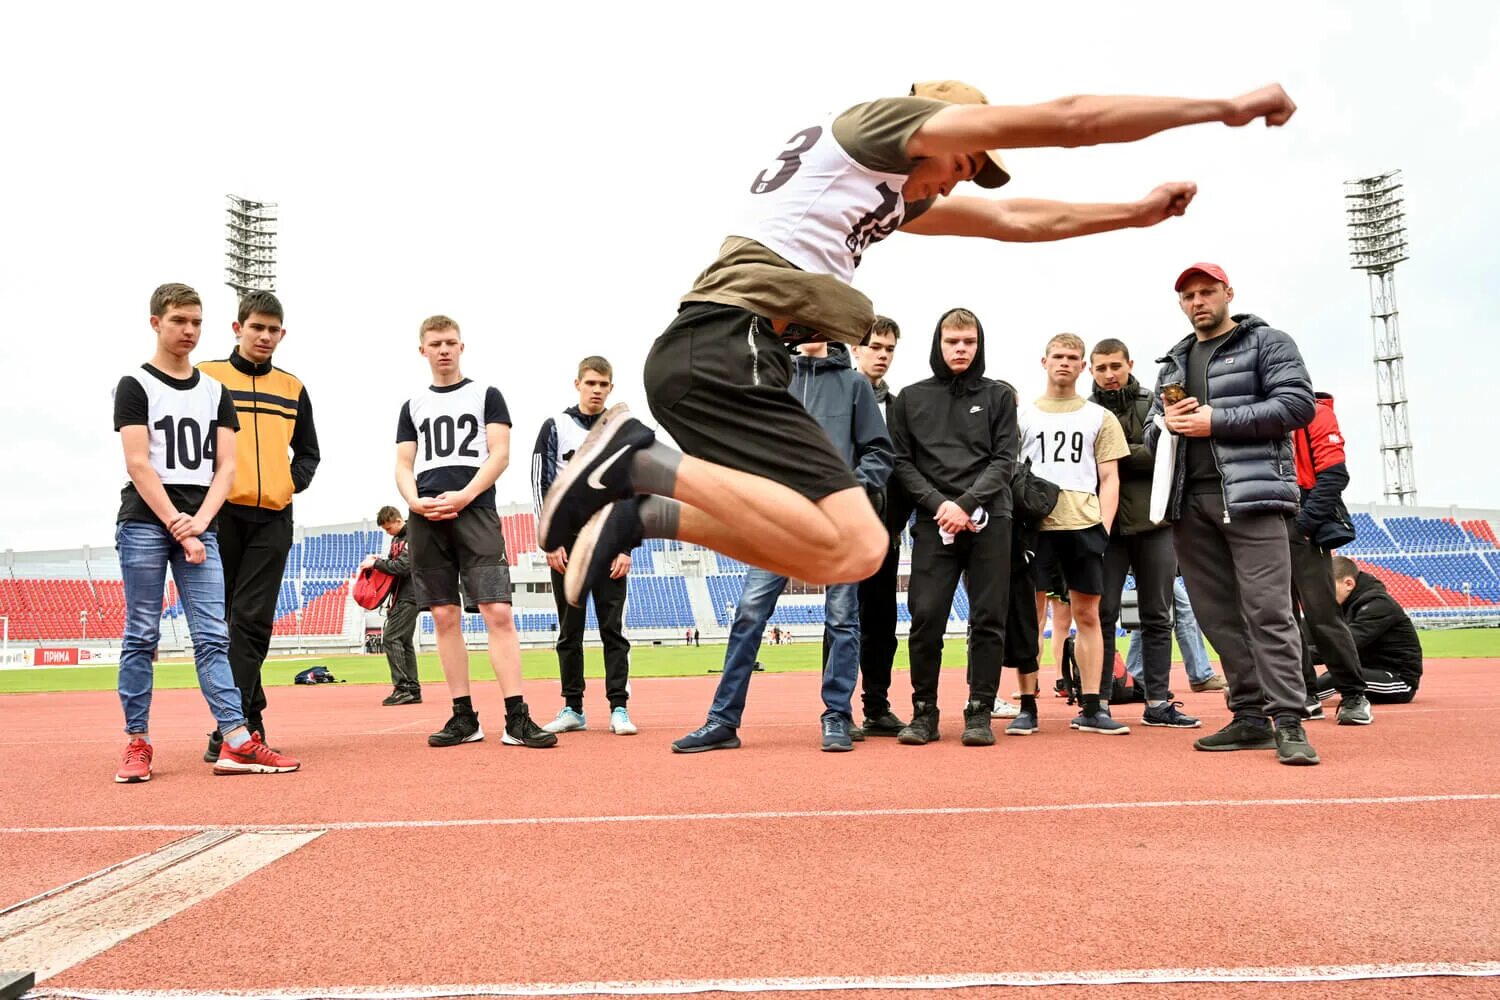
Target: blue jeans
<point>1189,640</point>
<point>757,602</point>
<point>146,550</point>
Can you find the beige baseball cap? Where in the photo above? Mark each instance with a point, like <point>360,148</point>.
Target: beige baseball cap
<point>993,174</point>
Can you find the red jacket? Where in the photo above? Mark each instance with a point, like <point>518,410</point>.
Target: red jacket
<point>1319,445</point>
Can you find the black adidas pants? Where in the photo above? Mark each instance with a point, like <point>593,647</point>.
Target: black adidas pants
<point>1382,687</point>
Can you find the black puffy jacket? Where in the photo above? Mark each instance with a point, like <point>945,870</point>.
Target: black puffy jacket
<point>1260,393</point>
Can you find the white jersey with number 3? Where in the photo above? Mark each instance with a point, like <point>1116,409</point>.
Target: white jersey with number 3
<point>818,208</point>
<point>1061,445</point>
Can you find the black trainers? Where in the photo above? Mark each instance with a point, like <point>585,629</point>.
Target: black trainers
<point>856,733</point>
<point>462,727</point>
<point>709,736</point>
<point>1168,715</point>
<point>598,473</point>
<point>836,738</point>
<point>390,699</point>
<point>978,730</point>
<point>521,731</point>
<point>614,529</point>
<point>1354,710</point>
<point>887,723</point>
<point>1244,732</point>
<point>1291,743</point>
<point>923,727</point>
<point>1314,713</point>
<point>215,742</point>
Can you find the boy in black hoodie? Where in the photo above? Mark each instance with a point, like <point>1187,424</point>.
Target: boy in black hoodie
<point>956,442</point>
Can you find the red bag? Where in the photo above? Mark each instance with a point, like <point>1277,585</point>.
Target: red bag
<point>372,587</point>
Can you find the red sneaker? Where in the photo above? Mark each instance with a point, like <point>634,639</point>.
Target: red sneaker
<point>254,757</point>
<point>137,763</point>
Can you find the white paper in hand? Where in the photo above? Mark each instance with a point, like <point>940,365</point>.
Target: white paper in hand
<point>1162,472</point>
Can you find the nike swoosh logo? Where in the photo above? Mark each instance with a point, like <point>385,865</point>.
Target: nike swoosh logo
<point>975,409</point>
<point>595,477</point>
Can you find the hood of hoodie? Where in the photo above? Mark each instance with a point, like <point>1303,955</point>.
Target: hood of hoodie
<point>837,357</point>
<point>971,379</point>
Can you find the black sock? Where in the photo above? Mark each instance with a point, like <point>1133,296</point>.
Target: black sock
<point>654,470</point>
<point>1091,704</point>
<point>464,704</point>
<point>576,706</point>
<point>1028,703</point>
<point>514,705</point>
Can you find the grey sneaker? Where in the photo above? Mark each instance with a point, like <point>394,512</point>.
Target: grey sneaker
<point>1291,743</point>
<point>1243,733</point>
<point>1100,722</point>
<point>1168,716</point>
<point>1024,724</point>
<point>567,721</point>
<point>836,733</point>
<point>1355,711</point>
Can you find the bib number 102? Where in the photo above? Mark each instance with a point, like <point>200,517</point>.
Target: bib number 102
<point>440,435</point>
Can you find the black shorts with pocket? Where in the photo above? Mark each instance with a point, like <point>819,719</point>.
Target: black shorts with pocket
<point>470,547</point>
<point>1074,559</point>
<point>717,382</point>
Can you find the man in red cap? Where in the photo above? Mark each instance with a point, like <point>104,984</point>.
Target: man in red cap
<point>757,479</point>
<point>1233,488</point>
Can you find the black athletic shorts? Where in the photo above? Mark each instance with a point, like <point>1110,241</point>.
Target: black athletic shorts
<point>470,547</point>
<point>1074,559</point>
<point>717,382</point>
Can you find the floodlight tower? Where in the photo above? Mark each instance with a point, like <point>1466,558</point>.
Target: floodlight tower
<point>250,246</point>
<point>1377,243</point>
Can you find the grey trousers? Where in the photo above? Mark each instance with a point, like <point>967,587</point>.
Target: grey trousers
<point>1239,579</point>
<point>400,623</point>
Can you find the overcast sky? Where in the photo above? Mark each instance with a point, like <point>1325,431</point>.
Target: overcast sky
<point>555,178</point>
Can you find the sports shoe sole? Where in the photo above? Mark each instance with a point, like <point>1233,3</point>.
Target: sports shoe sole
<point>626,730</point>
<point>985,739</point>
<point>566,727</point>
<point>1344,720</point>
<point>598,437</point>
<point>577,573</point>
<point>234,767</point>
<point>1122,731</point>
<point>511,741</point>
<point>1269,743</point>
<point>1013,731</point>
<point>918,742</point>
<point>838,747</point>
<point>132,781</point>
<point>433,740</point>
<point>730,744</point>
<point>1299,760</point>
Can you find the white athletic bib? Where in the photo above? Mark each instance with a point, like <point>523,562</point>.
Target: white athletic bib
<point>1061,445</point>
<point>569,436</point>
<point>818,208</point>
<point>183,424</point>
<point>450,428</point>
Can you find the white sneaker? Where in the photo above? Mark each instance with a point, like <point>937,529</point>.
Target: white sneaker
<point>620,724</point>
<point>1004,710</point>
<point>566,722</point>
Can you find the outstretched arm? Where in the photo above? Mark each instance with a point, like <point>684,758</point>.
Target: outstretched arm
<point>1032,220</point>
<point>1087,121</point>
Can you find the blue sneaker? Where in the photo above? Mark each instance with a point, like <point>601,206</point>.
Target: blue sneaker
<point>620,724</point>
<point>710,736</point>
<point>567,721</point>
<point>1024,724</point>
<point>1100,722</point>
<point>836,736</point>
<point>1168,716</point>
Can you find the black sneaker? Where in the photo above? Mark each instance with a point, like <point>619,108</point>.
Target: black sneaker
<point>709,736</point>
<point>390,699</point>
<point>1291,743</point>
<point>1354,710</point>
<point>856,733</point>
<point>521,731</point>
<point>923,728</point>
<point>215,741</point>
<point>978,730</point>
<point>887,723</point>
<point>463,727</point>
<point>1243,733</point>
<point>598,472</point>
<point>836,738</point>
<point>1168,716</point>
<point>614,529</point>
<point>1314,713</point>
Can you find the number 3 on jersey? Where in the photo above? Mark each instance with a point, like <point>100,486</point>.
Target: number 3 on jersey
<point>791,161</point>
<point>439,436</point>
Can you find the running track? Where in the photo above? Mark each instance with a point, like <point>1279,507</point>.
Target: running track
<point>774,868</point>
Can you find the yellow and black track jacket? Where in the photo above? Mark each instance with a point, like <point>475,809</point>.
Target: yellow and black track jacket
<point>276,450</point>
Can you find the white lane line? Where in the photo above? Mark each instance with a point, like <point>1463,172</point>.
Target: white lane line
<point>810,984</point>
<point>55,931</point>
<point>813,814</point>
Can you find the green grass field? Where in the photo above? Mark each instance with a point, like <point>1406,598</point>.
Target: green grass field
<point>645,661</point>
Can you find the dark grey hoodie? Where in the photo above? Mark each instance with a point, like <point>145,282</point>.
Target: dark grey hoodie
<point>956,436</point>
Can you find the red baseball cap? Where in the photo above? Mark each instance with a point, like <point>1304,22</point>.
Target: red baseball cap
<point>1214,271</point>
